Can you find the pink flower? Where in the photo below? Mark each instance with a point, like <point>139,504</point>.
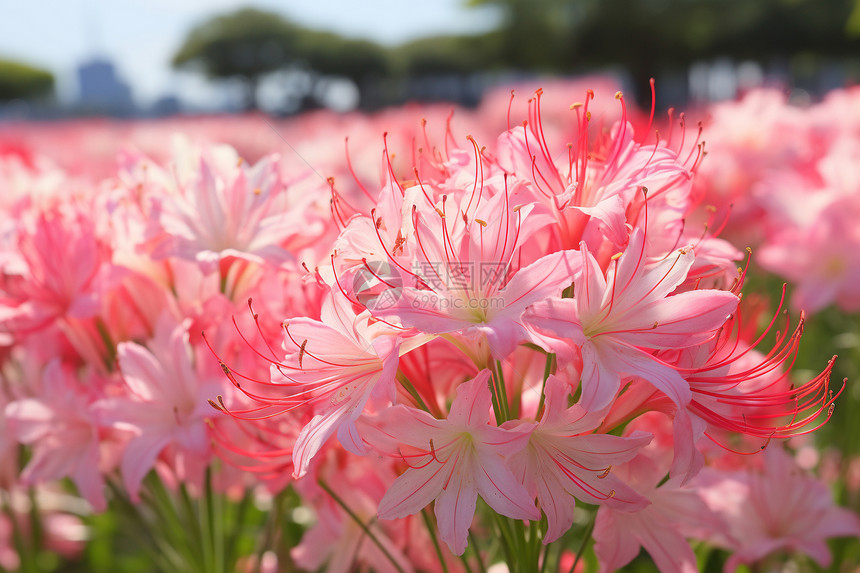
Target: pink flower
<point>333,367</point>
<point>780,508</point>
<point>597,181</point>
<point>465,269</point>
<point>452,461</point>
<point>564,460</point>
<point>821,257</point>
<point>735,390</point>
<point>166,405</point>
<point>61,427</point>
<point>616,320</point>
<point>226,208</point>
<point>57,271</point>
<point>739,390</point>
<point>659,528</point>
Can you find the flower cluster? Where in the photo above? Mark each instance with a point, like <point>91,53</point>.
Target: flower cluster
<point>526,317</point>
<point>788,176</point>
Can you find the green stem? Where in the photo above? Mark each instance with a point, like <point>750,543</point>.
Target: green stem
<point>503,390</point>
<point>500,399</point>
<point>272,524</point>
<point>497,405</point>
<point>585,539</point>
<point>240,515</point>
<point>26,552</point>
<point>110,346</point>
<point>361,524</point>
<point>198,526</point>
<point>163,554</point>
<point>206,532</point>
<point>547,370</point>
<point>219,536</point>
<point>408,386</point>
<point>508,543</point>
<point>35,521</point>
<point>534,543</point>
<point>474,543</point>
<point>173,529</point>
<point>545,559</point>
<point>511,410</point>
<point>523,547</point>
<point>211,525</point>
<point>431,528</point>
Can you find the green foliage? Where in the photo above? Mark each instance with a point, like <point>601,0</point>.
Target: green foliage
<point>450,54</point>
<point>647,35</point>
<point>20,81</point>
<point>246,43</point>
<point>852,26</point>
<point>250,43</point>
<point>330,54</point>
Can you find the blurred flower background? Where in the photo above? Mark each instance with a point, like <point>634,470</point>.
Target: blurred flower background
<point>119,123</point>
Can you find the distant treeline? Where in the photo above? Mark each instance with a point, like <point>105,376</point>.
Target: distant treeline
<point>645,37</point>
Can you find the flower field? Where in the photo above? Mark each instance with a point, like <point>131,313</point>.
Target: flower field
<point>552,333</point>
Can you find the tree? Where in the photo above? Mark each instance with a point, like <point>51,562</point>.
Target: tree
<point>250,43</point>
<point>245,44</point>
<point>451,54</point>
<point>650,36</point>
<point>20,81</point>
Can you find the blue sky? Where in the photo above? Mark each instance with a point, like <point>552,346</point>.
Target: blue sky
<point>140,36</point>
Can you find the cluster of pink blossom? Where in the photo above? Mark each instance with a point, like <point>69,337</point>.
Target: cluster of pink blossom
<point>788,176</point>
<point>525,317</point>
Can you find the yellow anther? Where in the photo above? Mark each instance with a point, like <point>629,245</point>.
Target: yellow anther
<point>302,352</point>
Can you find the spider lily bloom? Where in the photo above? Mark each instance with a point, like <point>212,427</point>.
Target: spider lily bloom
<point>452,461</point>
<point>821,257</point>
<point>465,273</point>
<point>61,427</point>
<point>564,460</point>
<point>597,180</point>
<point>739,390</point>
<point>333,367</point>
<point>58,270</point>
<point>616,320</point>
<point>226,208</point>
<point>736,390</point>
<point>780,508</point>
<point>166,405</point>
<point>371,254</point>
<point>660,528</point>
